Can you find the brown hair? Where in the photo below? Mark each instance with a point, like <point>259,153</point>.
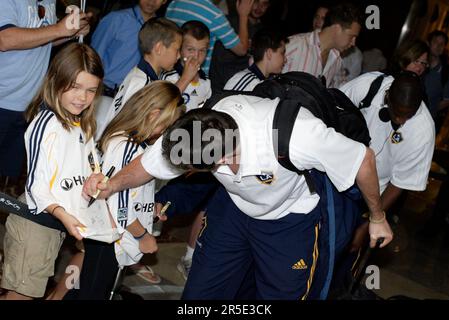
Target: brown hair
<point>196,29</point>
<point>191,155</point>
<point>61,76</point>
<point>157,30</point>
<point>135,120</point>
<point>344,14</point>
<point>407,53</point>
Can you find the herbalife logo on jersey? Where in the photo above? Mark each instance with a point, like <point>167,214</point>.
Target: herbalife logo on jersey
<point>68,183</point>
<point>143,207</point>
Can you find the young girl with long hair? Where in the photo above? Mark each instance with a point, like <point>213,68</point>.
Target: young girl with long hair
<point>60,150</point>
<point>142,120</point>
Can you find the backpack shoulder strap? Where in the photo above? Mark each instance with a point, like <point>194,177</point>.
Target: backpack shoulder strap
<point>283,123</point>
<point>373,89</point>
<point>215,98</point>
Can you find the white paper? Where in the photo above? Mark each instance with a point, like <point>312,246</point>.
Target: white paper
<point>97,220</point>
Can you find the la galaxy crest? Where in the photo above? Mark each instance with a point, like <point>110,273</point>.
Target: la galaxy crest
<point>396,137</point>
<point>265,178</point>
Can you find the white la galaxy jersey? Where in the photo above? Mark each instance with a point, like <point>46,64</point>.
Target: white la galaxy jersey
<point>245,80</point>
<point>196,93</point>
<point>59,161</point>
<point>404,155</point>
<point>128,205</point>
<point>139,77</point>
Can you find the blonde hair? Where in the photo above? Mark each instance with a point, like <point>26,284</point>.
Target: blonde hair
<point>158,29</point>
<point>135,120</point>
<point>61,76</point>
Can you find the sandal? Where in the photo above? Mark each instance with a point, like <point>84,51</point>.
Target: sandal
<point>146,273</point>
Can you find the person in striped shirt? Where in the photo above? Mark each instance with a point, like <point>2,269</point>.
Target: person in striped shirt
<point>268,48</point>
<point>318,52</point>
<point>181,11</point>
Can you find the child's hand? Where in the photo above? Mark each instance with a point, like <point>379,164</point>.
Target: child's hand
<point>148,244</point>
<point>191,68</point>
<point>71,224</point>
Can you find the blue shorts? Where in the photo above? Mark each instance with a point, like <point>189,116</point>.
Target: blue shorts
<point>284,257</point>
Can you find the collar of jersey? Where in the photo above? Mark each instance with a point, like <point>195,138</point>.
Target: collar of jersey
<point>148,69</point>
<point>255,69</point>
<point>43,106</point>
<point>144,144</point>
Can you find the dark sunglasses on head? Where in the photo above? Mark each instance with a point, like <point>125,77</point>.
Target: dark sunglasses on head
<point>40,10</point>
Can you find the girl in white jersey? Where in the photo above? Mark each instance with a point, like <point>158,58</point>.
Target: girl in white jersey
<point>60,150</point>
<point>141,121</point>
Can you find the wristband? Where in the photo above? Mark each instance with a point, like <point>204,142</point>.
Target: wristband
<point>54,209</point>
<point>378,220</point>
<point>141,236</point>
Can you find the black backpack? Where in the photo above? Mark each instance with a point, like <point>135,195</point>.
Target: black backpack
<point>300,89</point>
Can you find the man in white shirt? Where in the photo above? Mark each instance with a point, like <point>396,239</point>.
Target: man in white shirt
<point>263,216</point>
<point>318,52</point>
<point>402,134</point>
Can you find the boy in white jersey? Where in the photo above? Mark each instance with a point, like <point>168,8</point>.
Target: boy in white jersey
<point>196,89</point>
<point>268,49</point>
<point>159,41</point>
<point>191,80</point>
<point>264,216</point>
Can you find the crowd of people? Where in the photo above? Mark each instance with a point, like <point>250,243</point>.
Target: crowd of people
<point>260,231</point>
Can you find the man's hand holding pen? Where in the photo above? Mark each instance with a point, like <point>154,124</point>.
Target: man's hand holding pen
<point>105,179</point>
<point>95,183</point>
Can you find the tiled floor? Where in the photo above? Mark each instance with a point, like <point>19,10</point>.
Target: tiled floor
<point>413,264</point>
